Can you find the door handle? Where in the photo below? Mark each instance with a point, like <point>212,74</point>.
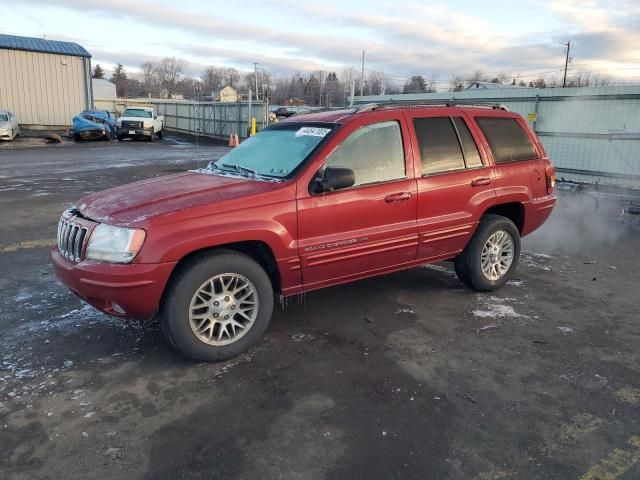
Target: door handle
<point>478,182</point>
<point>398,197</point>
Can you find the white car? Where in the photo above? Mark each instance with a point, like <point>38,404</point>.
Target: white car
<point>139,122</point>
<point>9,127</point>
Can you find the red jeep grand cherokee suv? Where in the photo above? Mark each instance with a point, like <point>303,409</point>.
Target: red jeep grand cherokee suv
<point>316,200</point>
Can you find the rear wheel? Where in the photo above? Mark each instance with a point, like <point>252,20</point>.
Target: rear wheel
<point>491,255</point>
<point>217,306</point>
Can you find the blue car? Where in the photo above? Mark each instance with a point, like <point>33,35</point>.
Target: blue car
<point>93,125</point>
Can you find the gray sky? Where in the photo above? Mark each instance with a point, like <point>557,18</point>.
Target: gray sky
<point>435,39</point>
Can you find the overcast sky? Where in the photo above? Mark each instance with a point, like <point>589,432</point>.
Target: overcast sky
<point>435,39</point>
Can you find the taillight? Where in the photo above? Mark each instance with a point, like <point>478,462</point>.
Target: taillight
<point>551,179</point>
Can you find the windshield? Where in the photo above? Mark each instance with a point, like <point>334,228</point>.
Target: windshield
<point>136,112</point>
<point>276,151</point>
<point>4,117</point>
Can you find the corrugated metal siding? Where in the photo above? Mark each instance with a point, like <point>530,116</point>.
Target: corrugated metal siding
<point>589,133</point>
<point>42,88</point>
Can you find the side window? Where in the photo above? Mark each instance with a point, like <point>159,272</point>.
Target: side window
<point>469,147</point>
<point>374,153</point>
<point>439,147</point>
<point>507,139</point>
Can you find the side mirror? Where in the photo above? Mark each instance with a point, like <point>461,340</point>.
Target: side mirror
<point>333,178</point>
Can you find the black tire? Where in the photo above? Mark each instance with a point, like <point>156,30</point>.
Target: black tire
<point>174,310</point>
<point>468,263</point>
<point>107,136</point>
<point>119,138</point>
<point>461,270</point>
<point>76,138</point>
<point>160,134</point>
<point>151,137</point>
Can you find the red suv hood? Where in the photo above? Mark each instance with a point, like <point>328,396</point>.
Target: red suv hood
<point>135,202</point>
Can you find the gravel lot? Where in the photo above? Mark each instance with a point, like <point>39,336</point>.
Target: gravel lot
<point>410,375</point>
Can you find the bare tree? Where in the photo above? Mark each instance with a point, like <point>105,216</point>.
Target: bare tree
<point>212,78</point>
<point>150,78</point>
<point>170,72</point>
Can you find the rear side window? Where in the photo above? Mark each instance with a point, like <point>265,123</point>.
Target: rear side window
<point>374,153</point>
<point>439,147</point>
<point>507,140</point>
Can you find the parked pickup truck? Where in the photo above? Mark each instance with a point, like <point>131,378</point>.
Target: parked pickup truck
<point>314,201</point>
<point>139,122</point>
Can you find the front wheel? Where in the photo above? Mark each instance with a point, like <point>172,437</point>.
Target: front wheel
<point>491,256</point>
<point>217,306</point>
<point>160,134</point>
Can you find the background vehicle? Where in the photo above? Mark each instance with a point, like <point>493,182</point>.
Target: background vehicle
<point>283,112</point>
<point>9,127</point>
<point>93,124</point>
<point>140,122</point>
<point>314,201</point>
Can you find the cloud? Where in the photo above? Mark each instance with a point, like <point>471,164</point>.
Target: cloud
<point>421,38</point>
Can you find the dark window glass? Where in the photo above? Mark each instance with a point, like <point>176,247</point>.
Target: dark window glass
<point>469,147</point>
<point>507,139</point>
<point>374,153</point>
<point>439,147</point>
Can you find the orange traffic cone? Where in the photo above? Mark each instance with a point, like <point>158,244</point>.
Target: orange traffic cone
<point>237,140</point>
<point>231,140</point>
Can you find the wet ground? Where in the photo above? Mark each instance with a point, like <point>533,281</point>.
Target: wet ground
<point>410,375</point>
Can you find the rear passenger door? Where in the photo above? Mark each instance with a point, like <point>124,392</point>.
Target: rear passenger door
<point>455,183</point>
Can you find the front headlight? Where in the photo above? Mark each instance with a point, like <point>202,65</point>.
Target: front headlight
<point>118,123</point>
<point>114,244</point>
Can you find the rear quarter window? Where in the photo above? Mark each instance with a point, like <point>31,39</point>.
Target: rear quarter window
<point>507,139</point>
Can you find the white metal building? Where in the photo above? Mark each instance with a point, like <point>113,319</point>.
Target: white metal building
<point>44,82</point>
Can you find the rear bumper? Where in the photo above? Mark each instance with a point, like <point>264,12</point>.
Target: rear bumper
<point>537,212</point>
<point>130,291</point>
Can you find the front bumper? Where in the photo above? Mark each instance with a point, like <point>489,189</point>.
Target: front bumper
<point>133,132</point>
<point>131,290</point>
<point>5,135</point>
<point>89,134</point>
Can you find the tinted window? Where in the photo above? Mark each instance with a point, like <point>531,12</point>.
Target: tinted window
<point>469,147</point>
<point>507,139</point>
<point>439,147</point>
<point>374,153</point>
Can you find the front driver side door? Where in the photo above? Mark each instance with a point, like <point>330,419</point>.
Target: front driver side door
<point>367,228</point>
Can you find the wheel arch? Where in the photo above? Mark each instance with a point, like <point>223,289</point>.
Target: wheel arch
<point>257,250</point>
<point>514,211</point>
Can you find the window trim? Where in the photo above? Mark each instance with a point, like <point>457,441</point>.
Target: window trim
<point>455,129</point>
<point>369,184</point>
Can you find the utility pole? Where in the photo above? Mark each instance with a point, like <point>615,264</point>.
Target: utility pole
<point>362,76</point>
<point>255,74</point>
<point>566,63</point>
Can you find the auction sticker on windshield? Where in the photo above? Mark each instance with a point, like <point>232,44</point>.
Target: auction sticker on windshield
<point>312,132</point>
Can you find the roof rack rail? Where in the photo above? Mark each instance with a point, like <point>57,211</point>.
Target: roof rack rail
<point>375,106</point>
<point>367,107</point>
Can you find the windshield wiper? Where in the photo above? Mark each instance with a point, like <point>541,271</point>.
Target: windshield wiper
<point>241,169</point>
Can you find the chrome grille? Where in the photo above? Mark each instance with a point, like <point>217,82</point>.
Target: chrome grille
<point>71,237</point>
<point>130,124</point>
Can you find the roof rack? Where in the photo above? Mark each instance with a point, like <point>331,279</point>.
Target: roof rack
<point>369,107</point>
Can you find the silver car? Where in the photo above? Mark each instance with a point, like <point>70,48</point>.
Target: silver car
<point>9,127</point>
